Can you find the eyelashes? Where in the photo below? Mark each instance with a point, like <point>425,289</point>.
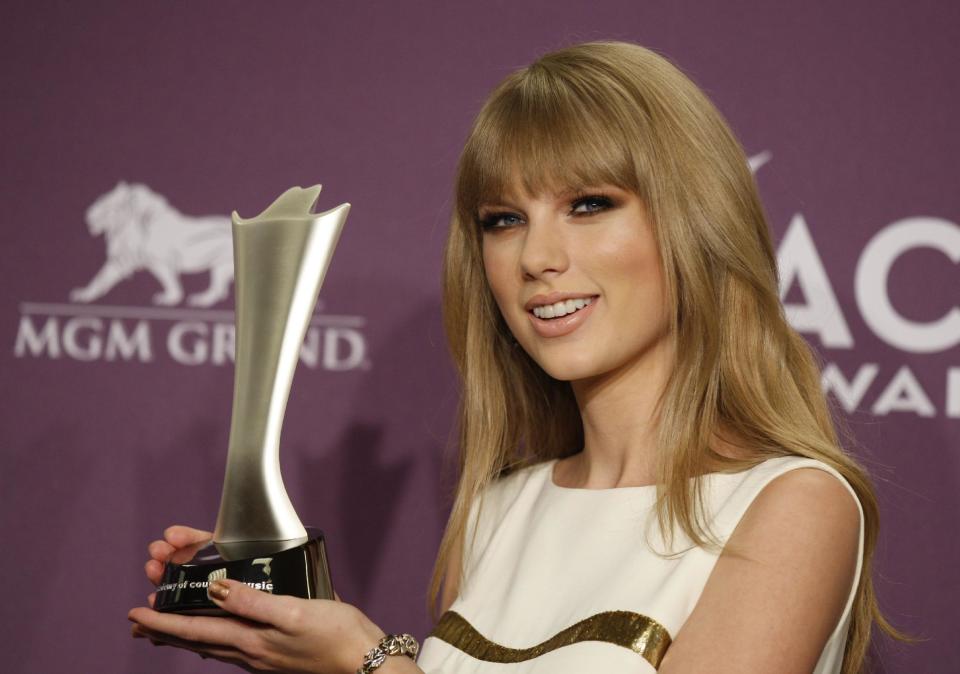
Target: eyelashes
<point>500,220</point>
<point>582,205</point>
<point>594,203</point>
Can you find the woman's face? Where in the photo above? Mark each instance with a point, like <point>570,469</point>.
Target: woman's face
<point>578,279</point>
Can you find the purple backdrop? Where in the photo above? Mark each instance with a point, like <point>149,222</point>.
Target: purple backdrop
<point>116,408</point>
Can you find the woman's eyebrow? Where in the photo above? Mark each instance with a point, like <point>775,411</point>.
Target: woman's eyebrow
<point>559,194</point>
<point>574,190</point>
<point>498,203</point>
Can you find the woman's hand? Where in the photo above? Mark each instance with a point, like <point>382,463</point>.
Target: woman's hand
<point>267,632</point>
<point>174,538</point>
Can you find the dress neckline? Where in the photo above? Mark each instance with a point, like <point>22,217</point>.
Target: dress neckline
<point>548,467</point>
<point>551,484</point>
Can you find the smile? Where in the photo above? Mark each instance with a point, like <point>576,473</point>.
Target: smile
<point>559,309</point>
<point>561,317</point>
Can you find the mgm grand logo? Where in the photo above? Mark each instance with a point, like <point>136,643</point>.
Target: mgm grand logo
<point>142,232</point>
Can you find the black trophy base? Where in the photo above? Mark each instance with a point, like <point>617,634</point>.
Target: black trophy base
<point>296,567</point>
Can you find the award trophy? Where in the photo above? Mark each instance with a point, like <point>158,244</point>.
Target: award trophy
<point>280,259</point>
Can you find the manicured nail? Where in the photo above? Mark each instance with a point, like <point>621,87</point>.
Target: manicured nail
<point>218,590</point>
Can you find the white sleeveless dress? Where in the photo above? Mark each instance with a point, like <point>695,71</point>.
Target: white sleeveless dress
<point>564,581</point>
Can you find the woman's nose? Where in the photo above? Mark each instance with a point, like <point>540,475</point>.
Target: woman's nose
<point>544,250</point>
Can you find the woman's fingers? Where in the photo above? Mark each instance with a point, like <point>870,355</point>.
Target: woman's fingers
<point>175,537</point>
<point>180,536</point>
<point>282,612</point>
<point>160,550</point>
<point>154,571</point>
<point>195,629</point>
<point>223,653</point>
<point>226,639</point>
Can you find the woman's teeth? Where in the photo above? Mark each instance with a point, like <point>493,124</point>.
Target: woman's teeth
<point>561,308</point>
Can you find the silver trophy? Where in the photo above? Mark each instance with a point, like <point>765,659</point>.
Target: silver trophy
<point>280,259</point>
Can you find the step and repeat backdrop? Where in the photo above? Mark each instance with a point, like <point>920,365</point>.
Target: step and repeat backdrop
<point>131,130</point>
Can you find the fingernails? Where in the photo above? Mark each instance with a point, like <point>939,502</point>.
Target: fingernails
<point>218,590</point>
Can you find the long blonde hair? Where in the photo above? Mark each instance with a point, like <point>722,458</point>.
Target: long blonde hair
<point>616,113</point>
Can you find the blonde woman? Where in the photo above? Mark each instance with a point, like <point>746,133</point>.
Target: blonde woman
<point>650,477</point>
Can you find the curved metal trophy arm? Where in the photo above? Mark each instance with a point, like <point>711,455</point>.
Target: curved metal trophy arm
<point>280,258</point>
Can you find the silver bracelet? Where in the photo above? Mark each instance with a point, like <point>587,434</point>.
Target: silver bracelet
<point>392,644</point>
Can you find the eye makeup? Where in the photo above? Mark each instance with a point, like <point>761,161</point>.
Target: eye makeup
<point>582,203</point>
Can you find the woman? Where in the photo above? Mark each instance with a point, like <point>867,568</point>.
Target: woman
<point>650,478</point>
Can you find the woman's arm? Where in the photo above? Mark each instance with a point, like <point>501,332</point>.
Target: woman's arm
<point>779,588</point>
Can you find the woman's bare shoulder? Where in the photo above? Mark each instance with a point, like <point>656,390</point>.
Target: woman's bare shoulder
<point>780,586</point>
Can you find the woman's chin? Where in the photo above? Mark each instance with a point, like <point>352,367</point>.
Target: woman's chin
<point>570,371</point>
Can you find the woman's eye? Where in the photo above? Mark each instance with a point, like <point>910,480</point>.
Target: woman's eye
<point>591,204</point>
<point>500,220</point>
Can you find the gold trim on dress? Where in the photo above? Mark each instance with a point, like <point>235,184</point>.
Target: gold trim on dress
<point>641,634</point>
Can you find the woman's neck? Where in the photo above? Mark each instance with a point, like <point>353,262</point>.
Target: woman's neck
<point>619,411</point>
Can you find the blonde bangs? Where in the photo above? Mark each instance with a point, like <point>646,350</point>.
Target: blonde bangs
<point>543,131</point>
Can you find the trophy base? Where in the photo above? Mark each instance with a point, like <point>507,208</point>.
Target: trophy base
<point>295,567</point>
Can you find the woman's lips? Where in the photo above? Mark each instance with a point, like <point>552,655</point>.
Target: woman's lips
<point>558,327</point>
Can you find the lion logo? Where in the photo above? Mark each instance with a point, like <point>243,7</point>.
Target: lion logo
<point>144,232</point>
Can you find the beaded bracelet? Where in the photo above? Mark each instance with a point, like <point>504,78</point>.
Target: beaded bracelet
<point>391,644</point>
